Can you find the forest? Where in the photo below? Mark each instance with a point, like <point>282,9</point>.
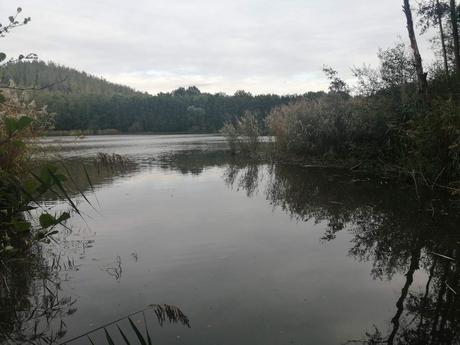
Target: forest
<point>79,101</point>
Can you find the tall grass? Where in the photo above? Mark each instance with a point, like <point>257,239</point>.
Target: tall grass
<point>386,125</point>
<point>243,134</point>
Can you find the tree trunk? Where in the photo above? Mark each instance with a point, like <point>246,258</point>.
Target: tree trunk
<point>421,75</point>
<point>443,38</point>
<point>453,19</point>
<point>414,266</point>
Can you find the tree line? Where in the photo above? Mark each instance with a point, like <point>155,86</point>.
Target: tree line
<point>80,101</point>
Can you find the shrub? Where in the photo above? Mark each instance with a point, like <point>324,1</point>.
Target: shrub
<point>435,141</point>
<point>244,134</point>
<point>248,129</point>
<point>230,133</point>
<point>20,187</point>
<point>315,127</point>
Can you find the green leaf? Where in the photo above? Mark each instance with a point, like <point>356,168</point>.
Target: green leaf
<point>63,191</point>
<point>30,185</point>
<point>23,122</point>
<point>47,220</point>
<point>2,56</point>
<point>88,178</point>
<point>63,217</point>
<point>11,125</point>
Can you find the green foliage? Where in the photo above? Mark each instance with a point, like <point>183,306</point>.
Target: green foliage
<point>21,190</point>
<point>435,141</point>
<point>395,73</point>
<point>51,78</point>
<point>83,102</point>
<point>19,229</point>
<point>337,85</point>
<point>429,12</point>
<point>13,125</point>
<point>385,123</point>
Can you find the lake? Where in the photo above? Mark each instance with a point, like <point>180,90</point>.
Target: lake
<point>250,252</point>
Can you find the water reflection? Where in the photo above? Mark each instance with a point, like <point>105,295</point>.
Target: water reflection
<point>33,307</point>
<point>389,228</point>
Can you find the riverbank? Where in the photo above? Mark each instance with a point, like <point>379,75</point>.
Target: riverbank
<point>375,168</point>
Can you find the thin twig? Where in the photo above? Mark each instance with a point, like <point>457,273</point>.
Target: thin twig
<point>415,185</point>
<point>450,288</point>
<point>442,256</point>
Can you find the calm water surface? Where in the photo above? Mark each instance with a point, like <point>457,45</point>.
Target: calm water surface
<point>251,253</point>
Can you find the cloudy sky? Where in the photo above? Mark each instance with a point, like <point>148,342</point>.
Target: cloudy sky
<point>263,46</point>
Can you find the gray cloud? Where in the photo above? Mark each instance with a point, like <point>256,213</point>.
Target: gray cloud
<point>258,45</point>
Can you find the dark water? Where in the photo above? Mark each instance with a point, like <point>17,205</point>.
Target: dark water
<point>251,253</point>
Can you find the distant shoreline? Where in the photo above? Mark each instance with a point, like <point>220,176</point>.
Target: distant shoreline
<point>76,133</point>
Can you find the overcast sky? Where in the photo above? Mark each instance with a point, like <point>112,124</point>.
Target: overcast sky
<point>262,46</point>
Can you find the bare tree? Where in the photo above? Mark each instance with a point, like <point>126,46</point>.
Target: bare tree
<point>421,75</point>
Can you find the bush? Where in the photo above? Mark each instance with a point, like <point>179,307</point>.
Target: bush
<point>315,127</point>
<point>20,187</point>
<point>435,141</point>
<point>230,133</point>
<point>244,134</point>
<point>248,129</point>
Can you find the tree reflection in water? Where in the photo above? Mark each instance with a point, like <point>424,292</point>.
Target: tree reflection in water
<point>390,228</point>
